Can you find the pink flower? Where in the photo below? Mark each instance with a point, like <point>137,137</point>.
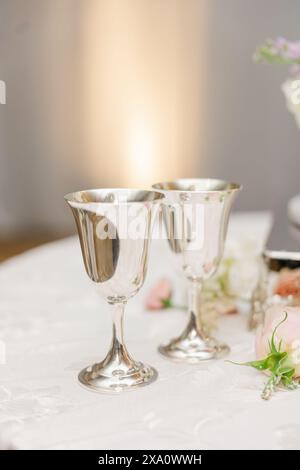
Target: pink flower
<point>288,332</point>
<point>159,296</point>
<point>288,283</point>
<point>225,307</point>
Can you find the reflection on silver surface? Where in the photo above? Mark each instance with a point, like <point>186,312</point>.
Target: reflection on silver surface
<point>196,214</point>
<point>100,256</point>
<point>280,255</point>
<point>283,243</point>
<point>114,227</point>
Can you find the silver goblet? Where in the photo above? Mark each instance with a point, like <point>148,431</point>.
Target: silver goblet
<point>196,213</point>
<point>114,227</point>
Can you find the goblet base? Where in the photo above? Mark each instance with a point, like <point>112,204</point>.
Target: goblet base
<point>98,379</point>
<point>194,345</point>
<point>195,350</point>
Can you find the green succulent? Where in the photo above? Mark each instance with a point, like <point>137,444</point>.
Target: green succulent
<point>278,364</point>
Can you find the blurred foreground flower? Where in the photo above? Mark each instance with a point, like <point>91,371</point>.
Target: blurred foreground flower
<point>278,349</point>
<point>160,296</point>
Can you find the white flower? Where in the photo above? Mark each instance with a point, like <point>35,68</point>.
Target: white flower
<point>242,268</point>
<point>243,276</point>
<point>291,90</point>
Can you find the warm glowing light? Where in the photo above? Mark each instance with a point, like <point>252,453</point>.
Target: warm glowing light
<point>142,152</point>
<point>143,90</point>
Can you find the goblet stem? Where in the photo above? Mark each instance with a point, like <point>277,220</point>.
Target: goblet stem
<point>195,326</point>
<point>118,354</point>
<point>118,371</point>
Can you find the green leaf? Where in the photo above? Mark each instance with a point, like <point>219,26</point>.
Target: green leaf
<point>287,379</point>
<point>273,345</point>
<point>288,373</point>
<point>166,303</point>
<point>262,364</point>
<point>270,362</point>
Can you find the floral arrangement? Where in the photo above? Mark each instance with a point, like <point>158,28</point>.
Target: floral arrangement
<point>216,294</point>
<point>282,51</point>
<point>215,302</point>
<point>278,349</point>
<point>234,280</point>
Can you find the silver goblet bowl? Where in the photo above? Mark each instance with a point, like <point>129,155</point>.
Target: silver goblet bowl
<point>196,214</point>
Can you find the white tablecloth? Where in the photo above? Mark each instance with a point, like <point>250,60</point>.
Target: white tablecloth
<point>52,324</point>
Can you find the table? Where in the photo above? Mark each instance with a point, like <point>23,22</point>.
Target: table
<point>52,324</point>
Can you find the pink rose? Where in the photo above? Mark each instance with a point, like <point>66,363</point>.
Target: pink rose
<point>288,283</point>
<point>288,332</point>
<point>160,295</point>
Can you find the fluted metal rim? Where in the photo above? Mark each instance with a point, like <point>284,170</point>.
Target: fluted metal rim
<point>180,183</point>
<point>73,196</point>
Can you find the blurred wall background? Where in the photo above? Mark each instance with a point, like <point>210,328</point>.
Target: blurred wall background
<point>128,92</point>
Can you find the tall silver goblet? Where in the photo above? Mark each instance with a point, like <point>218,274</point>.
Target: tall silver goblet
<point>196,213</point>
<point>114,227</point>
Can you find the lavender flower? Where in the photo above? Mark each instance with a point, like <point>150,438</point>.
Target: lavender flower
<point>287,49</point>
<point>280,51</point>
